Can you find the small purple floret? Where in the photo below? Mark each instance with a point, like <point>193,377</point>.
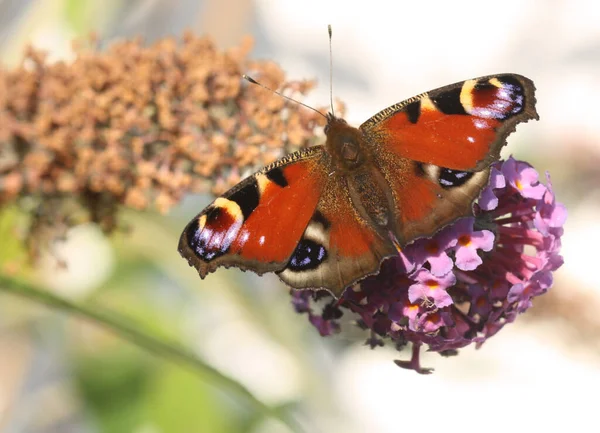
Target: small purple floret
<point>429,287</point>
<point>523,178</point>
<point>488,200</point>
<point>550,215</point>
<point>468,242</point>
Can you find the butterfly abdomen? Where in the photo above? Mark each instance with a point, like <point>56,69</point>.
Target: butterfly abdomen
<point>368,192</point>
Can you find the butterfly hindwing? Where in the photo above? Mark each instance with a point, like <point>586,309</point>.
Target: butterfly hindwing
<point>338,247</point>
<point>257,224</point>
<point>427,197</point>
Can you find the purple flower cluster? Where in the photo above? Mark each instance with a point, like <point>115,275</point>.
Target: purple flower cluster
<point>465,283</point>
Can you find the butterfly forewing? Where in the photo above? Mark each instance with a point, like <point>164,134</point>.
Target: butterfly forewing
<point>257,224</point>
<point>462,126</point>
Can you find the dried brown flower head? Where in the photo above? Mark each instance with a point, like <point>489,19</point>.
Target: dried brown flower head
<point>139,126</point>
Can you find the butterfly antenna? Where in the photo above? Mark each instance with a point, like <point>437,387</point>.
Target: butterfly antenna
<point>253,81</point>
<point>330,70</point>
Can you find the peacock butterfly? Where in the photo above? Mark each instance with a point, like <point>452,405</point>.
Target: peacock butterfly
<point>326,216</point>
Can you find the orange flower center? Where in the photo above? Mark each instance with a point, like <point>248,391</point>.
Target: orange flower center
<point>432,318</point>
<point>413,307</point>
<point>432,284</point>
<point>464,240</point>
<point>432,247</point>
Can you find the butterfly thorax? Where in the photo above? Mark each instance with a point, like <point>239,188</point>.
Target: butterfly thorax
<point>344,144</point>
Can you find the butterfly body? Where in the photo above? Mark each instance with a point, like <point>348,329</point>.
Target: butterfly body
<point>351,161</point>
<point>326,216</point>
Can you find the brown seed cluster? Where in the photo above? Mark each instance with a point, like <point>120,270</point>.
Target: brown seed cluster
<point>140,126</point>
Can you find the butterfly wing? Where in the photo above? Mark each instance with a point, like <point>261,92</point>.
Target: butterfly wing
<point>435,149</point>
<point>339,246</point>
<point>292,217</point>
<point>257,224</point>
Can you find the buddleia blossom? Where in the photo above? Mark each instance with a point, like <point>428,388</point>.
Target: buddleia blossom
<point>464,284</point>
<point>138,126</point>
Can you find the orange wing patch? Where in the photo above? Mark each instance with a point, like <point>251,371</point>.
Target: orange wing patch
<point>348,237</point>
<point>271,232</point>
<point>451,141</point>
<point>416,199</point>
<point>462,126</point>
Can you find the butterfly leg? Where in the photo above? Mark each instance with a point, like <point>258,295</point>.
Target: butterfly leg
<point>395,242</point>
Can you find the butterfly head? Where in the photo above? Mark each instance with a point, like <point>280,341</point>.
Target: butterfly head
<point>344,143</point>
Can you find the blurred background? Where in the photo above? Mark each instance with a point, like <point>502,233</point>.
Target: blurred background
<point>63,374</point>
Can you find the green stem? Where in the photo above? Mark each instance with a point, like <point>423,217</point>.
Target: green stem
<point>167,350</point>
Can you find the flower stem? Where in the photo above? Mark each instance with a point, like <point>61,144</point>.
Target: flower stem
<point>164,349</point>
